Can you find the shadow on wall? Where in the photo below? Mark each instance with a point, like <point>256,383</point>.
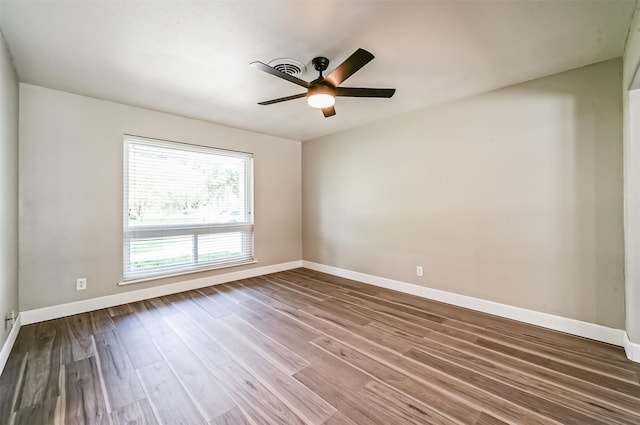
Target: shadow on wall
<point>589,219</point>
<point>513,196</point>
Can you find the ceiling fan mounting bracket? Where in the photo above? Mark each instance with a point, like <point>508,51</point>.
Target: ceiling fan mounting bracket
<point>320,63</point>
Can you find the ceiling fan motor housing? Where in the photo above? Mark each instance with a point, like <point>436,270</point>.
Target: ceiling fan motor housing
<point>320,63</point>
<point>321,87</point>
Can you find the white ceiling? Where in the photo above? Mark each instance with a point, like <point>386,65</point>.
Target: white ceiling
<point>192,58</point>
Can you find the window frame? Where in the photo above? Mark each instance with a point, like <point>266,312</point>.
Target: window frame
<point>130,233</point>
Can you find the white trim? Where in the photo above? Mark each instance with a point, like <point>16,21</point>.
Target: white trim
<point>545,320</point>
<point>632,349</point>
<point>204,269</point>
<point>62,310</point>
<point>8,344</point>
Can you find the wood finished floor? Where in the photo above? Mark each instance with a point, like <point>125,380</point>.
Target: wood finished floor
<point>302,347</point>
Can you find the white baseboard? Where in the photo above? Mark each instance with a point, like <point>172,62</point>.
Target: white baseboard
<point>563,324</point>
<point>68,309</point>
<point>545,320</point>
<point>8,344</point>
<point>632,349</point>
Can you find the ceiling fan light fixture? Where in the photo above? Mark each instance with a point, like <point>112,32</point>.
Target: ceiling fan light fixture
<point>321,100</point>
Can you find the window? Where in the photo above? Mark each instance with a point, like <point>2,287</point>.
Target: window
<point>186,208</point>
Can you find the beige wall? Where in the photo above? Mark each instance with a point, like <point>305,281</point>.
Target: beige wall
<point>8,189</point>
<point>631,61</point>
<point>631,106</point>
<point>514,196</point>
<point>632,213</point>
<point>71,191</point>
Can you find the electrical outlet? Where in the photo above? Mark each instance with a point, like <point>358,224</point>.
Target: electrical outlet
<point>81,284</point>
<point>419,271</point>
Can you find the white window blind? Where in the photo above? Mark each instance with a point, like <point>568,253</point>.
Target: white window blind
<point>186,208</point>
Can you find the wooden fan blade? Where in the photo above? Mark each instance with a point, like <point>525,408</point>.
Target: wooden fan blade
<point>347,68</point>
<point>271,70</point>
<point>329,112</point>
<point>282,99</point>
<point>363,92</point>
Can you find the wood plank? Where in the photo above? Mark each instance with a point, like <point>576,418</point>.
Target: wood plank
<point>231,293</point>
<point>151,318</point>
<point>258,403</point>
<point>167,396</point>
<point>256,325</point>
<point>336,329</point>
<point>7,401</point>
<point>623,387</point>
<point>209,352</point>
<point>599,395</point>
<point>25,340</point>
<point>340,282</point>
<point>437,399</point>
<point>596,398</point>
<point>518,379</point>
<point>558,340</point>
<point>232,417</point>
<point>287,360</point>
<point>138,344</point>
<point>592,364</point>
<point>42,372</point>
<point>11,381</point>
<point>381,314</point>
<point>305,403</point>
<point>206,299</point>
<point>336,372</point>
<point>520,330</point>
<point>338,315</point>
<point>339,419</point>
<point>270,310</point>
<point>342,397</point>
<point>119,309</point>
<point>80,332</point>
<point>101,321</point>
<point>59,333</point>
<point>274,281</point>
<point>137,413</point>
<point>121,383</point>
<point>432,396</point>
<point>84,400</point>
<point>401,407</point>
<point>506,392</point>
<point>160,305</point>
<point>237,306</point>
<point>378,313</point>
<point>393,308</point>
<point>41,413</point>
<point>439,390</point>
<point>486,419</point>
<point>276,321</point>
<point>310,284</point>
<point>320,308</point>
<point>210,397</point>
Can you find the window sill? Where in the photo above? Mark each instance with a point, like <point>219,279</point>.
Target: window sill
<point>186,272</point>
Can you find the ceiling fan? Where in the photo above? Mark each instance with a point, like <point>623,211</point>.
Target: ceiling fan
<point>321,93</point>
